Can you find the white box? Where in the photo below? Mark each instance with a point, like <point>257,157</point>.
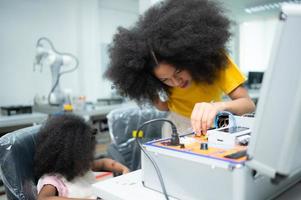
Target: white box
<point>188,176</point>
<point>227,136</point>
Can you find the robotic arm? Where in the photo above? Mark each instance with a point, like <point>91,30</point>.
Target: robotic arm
<point>47,55</point>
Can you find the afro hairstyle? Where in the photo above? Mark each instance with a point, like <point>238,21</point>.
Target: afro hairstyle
<point>65,145</point>
<point>188,34</point>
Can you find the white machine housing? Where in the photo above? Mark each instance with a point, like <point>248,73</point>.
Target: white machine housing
<point>274,151</point>
<point>228,137</point>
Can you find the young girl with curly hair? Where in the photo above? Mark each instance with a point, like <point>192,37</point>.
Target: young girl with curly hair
<point>178,48</point>
<point>64,159</point>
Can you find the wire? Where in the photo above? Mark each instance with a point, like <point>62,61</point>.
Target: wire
<point>174,131</point>
<point>52,89</point>
<point>61,73</point>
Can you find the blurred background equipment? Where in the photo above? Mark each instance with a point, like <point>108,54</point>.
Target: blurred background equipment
<point>14,110</point>
<point>47,55</point>
<point>255,79</point>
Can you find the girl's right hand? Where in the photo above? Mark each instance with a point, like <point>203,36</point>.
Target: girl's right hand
<point>203,115</point>
<point>125,170</point>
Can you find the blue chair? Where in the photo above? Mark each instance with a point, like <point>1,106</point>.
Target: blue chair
<point>16,163</point>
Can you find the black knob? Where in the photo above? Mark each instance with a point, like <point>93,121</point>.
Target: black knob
<point>204,146</point>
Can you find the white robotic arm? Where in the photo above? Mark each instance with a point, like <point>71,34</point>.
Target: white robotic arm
<point>48,56</point>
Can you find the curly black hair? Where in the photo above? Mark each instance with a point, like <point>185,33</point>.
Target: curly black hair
<point>65,145</point>
<point>188,34</point>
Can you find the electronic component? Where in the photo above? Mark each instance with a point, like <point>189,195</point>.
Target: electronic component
<point>237,155</point>
<point>204,146</point>
<point>228,136</point>
<point>224,119</point>
<point>243,140</point>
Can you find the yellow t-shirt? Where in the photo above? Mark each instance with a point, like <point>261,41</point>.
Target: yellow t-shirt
<point>182,100</point>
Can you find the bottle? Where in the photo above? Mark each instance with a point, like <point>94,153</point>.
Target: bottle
<point>81,103</point>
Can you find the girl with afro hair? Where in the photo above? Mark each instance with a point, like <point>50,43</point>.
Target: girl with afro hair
<point>178,48</point>
<point>64,159</point>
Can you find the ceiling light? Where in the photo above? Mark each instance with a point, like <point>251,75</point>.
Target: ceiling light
<point>269,6</point>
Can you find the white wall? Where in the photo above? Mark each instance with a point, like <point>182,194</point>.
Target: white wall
<point>113,14</point>
<point>74,26</point>
<point>145,4</point>
<point>22,23</point>
<point>233,44</point>
<point>256,39</point>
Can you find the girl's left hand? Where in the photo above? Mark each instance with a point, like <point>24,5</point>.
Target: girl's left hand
<point>203,115</point>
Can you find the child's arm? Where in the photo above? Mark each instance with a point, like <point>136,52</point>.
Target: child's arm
<point>109,165</point>
<point>49,192</point>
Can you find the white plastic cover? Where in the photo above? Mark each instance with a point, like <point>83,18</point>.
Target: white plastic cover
<point>122,122</point>
<point>16,163</point>
<point>275,145</point>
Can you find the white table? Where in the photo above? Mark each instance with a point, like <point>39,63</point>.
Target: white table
<point>129,187</point>
<point>93,114</point>
<point>126,187</point>
<point>14,122</point>
<point>21,119</point>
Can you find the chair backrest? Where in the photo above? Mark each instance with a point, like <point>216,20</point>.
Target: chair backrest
<point>122,122</point>
<point>16,163</point>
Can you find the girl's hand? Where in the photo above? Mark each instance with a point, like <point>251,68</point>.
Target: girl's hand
<point>203,115</point>
<point>125,170</point>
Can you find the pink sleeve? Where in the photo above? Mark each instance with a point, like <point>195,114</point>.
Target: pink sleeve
<point>56,182</point>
